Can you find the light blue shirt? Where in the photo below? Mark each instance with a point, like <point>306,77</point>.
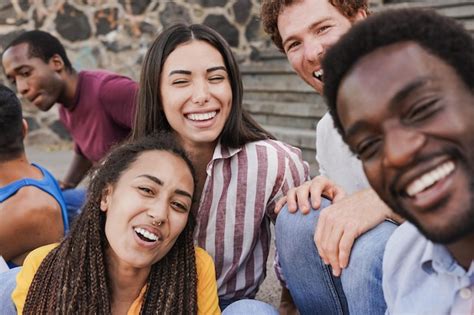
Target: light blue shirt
<point>421,277</point>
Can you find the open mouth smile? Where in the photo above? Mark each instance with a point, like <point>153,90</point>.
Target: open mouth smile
<point>201,116</point>
<point>146,236</point>
<point>318,74</point>
<point>430,178</point>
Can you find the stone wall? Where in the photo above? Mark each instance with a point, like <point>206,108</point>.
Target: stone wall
<point>115,34</point>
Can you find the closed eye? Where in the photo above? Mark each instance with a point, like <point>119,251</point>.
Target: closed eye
<point>368,148</point>
<point>422,111</point>
<point>179,82</point>
<point>216,78</point>
<point>179,206</point>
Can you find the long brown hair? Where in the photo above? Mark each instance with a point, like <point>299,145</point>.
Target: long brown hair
<point>73,277</point>
<point>239,129</point>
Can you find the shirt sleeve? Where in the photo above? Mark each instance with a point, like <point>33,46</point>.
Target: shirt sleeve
<point>207,300</point>
<point>118,96</point>
<point>26,275</point>
<point>321,140</point>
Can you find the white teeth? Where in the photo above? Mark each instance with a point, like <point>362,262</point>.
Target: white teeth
<point>318,74</point>
<point>202,116</point>
<point>429,178</point>
<point>146,234</point>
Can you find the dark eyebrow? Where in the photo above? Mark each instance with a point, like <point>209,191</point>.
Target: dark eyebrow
<point>180,72</point>
<point>160,182</point>
<point>394,103</point>
<point>406,91</point>
<point>216,68</point>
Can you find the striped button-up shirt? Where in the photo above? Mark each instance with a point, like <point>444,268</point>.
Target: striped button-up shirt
<point>237,207</point>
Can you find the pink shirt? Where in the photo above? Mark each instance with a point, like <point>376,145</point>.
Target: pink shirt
<point>102,114</point>
<point>237,206</point>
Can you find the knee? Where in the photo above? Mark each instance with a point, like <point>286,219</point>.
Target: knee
<point>295,224</point>
<point>248,306</point>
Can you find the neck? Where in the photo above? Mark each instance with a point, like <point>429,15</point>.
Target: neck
<point>68,95</point>
<point>462,251</point>
<point>16,169</point>
<point>126,283</point>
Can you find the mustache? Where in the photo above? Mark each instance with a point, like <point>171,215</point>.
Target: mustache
<point>452,152</point>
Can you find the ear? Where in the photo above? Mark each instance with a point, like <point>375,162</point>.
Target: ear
<point>106,198</point>
<point>56,62</point>
<point>24,128</point>
<point>359,16</point>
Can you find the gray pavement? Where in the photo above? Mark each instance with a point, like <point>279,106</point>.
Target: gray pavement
<point>57,158</point>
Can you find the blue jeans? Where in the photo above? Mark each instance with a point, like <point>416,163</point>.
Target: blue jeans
<point>7,285</point>
<point>75,199</point>
<point>248,306</point>
<point>313,287</point>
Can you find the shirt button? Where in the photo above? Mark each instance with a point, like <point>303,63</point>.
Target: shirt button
<point>465,293</point>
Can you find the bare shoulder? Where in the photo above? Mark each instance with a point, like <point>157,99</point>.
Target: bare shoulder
<point>32,201</point>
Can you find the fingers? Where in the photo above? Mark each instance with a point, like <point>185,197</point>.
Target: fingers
<point>279,204</point>
<point>291,200</point>
<point>345,247</point>
<point>302,195</point>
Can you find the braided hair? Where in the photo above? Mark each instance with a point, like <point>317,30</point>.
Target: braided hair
<point>73,277</point>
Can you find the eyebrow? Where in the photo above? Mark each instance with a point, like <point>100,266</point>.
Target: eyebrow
<point>394,102</point>
<point>187,72</point>
<point>160,182</point>
<point>311,27</point>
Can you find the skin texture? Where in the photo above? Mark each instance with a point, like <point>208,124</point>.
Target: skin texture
<point>189,88</point>
<point>44,84</point>
<point>142,197</point>
<point>32,207</point>
<point>308,29</point>
<point>417,117</point>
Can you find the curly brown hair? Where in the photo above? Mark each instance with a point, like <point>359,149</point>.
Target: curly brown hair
<point>74,279</point>
<point>271,9</point>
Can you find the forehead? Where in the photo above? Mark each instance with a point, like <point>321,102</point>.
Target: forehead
<point>17,54</point>
<point>377,78</point>
<point>300,15</point>
<point>194,54</point>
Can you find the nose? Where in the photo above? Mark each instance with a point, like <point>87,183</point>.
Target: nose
<point>22,86</point>
<point>200,93</point>
<point>313,50</point>
<point>401,146</point>
<point>158,212</point>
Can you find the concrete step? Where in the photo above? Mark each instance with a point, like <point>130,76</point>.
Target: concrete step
<point>285,114</point>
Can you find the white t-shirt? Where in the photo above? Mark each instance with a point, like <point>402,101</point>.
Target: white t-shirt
<point>335,159</point>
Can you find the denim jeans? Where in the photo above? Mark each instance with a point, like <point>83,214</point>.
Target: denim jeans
<point>248,306</point>
<point>7,285</point>
<point>313,287</point>
<point>75,199</point>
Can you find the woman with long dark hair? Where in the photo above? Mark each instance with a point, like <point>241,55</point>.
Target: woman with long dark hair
<point>190,85</point>
<point>131,250</point>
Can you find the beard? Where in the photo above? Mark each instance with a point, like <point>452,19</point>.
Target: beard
<point>462,224</point>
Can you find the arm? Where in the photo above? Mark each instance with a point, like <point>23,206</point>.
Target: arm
<point>77,170</point>
<point>340,224</point>
<point>29,220</point>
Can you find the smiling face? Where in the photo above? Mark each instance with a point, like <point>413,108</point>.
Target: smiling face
<point>308,29</point>
<point>409,117</point>
<point>147,209</point>
<point>196,93</point>
<point>39,82</point>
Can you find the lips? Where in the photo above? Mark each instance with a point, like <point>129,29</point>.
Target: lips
<point>318,74</point>
<point>201,116</point>
<point>430,178</point>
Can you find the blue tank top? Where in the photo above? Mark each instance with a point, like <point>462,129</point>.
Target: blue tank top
<point>48,184</point>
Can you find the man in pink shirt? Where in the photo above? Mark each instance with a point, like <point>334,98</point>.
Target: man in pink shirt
<point>97,107</point>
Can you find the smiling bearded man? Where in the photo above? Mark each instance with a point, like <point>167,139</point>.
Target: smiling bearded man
<point>400,90</point>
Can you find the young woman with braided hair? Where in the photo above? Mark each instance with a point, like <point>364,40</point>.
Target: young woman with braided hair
<point>131,250</point>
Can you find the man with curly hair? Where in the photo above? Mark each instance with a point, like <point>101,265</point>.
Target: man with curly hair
<point>352,226</point>
<point>412,128</point>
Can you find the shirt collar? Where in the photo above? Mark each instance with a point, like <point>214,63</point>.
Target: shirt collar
<point>221,152</point>
<point>437,259</point>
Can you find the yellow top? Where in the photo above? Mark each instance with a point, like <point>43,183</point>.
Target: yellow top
<point>207,300</point>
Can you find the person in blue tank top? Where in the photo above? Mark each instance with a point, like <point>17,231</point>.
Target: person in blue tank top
<point>32,209</point>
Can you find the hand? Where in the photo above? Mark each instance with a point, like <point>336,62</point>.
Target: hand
<point>341,223</point>
<point>297,198</point>
<point>287,306</point>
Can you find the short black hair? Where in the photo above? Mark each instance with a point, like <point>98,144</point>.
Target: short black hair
<point>437,34</point>
<point>42,45</point>
<point>11,125</point>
